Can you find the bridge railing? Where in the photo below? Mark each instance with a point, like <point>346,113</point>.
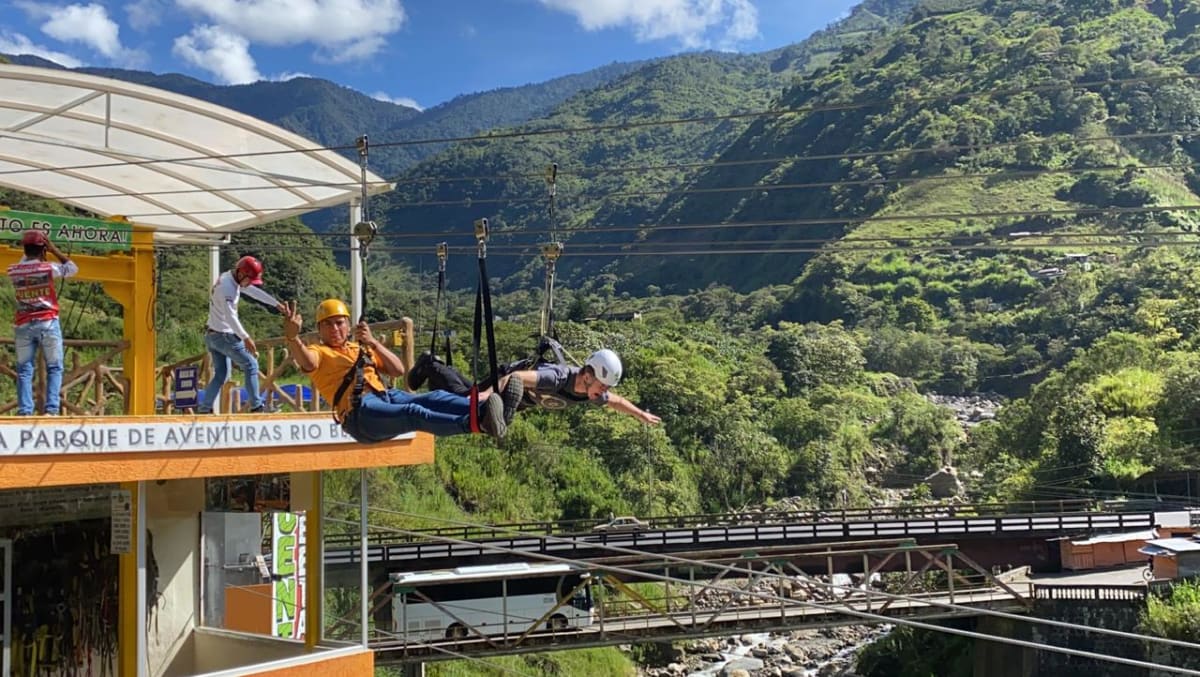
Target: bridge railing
<point>582,526</point>
<point>1100,592</point>
<point>427,544</point>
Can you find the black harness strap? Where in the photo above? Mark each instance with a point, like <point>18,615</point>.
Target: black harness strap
<point>354,376</point>
<point>483,319</point>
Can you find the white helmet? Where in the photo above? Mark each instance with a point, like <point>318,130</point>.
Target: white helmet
<point>606,366</point>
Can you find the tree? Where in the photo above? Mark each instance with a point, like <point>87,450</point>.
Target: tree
<point>813,354</point>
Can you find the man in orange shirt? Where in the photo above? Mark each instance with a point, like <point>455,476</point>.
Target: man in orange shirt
<point>380,413</point>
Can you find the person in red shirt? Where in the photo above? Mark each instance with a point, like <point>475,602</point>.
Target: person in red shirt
<point>36,318</point>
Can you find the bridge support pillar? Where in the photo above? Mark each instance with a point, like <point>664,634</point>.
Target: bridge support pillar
<point>994,659</point>
<point>412,670</point>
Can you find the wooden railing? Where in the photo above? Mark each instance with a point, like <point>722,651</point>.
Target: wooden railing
<point>277,364</point>
<point>94,383</point>
<point>91,389</point>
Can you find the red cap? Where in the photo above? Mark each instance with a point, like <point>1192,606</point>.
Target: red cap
<point>250,268</point>
<point>34,237</point>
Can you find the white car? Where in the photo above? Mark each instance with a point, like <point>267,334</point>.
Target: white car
<point>622,524</point>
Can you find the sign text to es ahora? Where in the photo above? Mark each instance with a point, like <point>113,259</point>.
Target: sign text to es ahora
<point>20,438</point>
<point>67,230</point>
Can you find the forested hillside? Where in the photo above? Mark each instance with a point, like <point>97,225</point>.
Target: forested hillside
<point>620,165</point>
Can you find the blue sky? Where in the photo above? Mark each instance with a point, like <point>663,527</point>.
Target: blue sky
<point>417,52</point>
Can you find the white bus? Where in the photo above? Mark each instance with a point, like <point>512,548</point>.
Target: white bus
<point>499,599</point>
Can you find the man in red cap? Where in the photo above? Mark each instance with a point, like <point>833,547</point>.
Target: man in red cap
<point>225,337</point>
<point>37,318</point>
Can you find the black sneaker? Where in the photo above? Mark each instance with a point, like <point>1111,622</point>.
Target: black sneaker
<point>514,390</point>
<point>268,408</point>
<point>491,417</point>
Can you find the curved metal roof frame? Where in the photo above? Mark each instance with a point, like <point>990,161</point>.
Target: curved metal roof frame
<point>180,166</point>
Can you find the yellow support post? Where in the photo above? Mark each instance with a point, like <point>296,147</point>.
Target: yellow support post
<point>135,290</point>
<point>128,277</point>
<point>129,598</point>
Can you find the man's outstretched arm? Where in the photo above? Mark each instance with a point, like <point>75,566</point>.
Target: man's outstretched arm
<point>624,406</point>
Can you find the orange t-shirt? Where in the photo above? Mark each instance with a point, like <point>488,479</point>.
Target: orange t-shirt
<point>332,366</point>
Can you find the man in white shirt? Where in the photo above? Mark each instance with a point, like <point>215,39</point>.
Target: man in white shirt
<point>225,337</point>
<point>36,322</point>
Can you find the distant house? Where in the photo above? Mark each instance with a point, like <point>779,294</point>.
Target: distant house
<point>1083,260</point>
<point>1050,273</point>
<point>1107,550</point>
<point>1173,557</point>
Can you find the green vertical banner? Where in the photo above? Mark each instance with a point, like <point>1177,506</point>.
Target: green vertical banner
<point>94,234</point>
<point>288,562</point>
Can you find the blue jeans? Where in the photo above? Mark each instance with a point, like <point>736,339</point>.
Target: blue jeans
<point>225,348</point>
<point>382,416</point>
<point>28,337</point>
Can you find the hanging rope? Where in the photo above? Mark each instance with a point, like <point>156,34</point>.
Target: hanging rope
<point>366,229</point>
<point>442,251</point>
<point>550,252</point>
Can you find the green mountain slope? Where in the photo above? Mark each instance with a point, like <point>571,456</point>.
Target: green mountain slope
<point>505,176</point>
<point>927,86</point>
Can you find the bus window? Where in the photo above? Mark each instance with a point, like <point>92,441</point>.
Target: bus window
<point>489,600</point>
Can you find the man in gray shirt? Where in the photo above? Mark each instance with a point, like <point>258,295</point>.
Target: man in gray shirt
<point>550,386</point>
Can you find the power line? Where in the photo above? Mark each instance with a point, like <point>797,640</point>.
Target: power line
<point>643,124</point>
<point>825,221</point>
<point>1001,174</point>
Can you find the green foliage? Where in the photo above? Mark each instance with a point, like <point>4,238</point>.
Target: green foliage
<point>813,354</point>
<point>910,652</point>
<point>1177,616</point>
<point>606,661</point>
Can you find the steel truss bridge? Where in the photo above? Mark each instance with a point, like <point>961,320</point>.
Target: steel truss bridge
<point>994,540</point>
<point>725,592</point>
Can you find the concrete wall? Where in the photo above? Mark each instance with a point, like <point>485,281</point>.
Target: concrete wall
<point>995,659</point>
<point>172,517</point>
<point>1110,614</point>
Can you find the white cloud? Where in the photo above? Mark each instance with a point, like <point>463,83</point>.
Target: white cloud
<point>16,43</point>
<point>145,14</point>
<point>689,21</point>
<point>85,24</point>
<point>399,100</point>
<point>290,75</point>
<point>344,29</point>
<point>220,52</point>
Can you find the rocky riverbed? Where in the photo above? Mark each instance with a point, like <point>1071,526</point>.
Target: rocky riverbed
<point>826,652</point>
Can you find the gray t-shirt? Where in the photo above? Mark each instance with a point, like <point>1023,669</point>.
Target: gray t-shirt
<point>555,388</point>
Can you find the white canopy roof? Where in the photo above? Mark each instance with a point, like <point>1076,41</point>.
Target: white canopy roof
<point>181,166</point>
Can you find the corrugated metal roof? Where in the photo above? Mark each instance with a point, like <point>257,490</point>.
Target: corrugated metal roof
<point>1143,535</point>
<point>181,166</point>
<point>1176,544</point>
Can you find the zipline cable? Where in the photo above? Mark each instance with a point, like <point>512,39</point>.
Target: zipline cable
<point>632,125</point>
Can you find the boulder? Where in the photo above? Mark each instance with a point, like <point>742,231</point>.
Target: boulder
<point>944,483</point>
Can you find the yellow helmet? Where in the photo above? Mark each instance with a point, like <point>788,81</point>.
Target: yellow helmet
<point>331,308</point>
